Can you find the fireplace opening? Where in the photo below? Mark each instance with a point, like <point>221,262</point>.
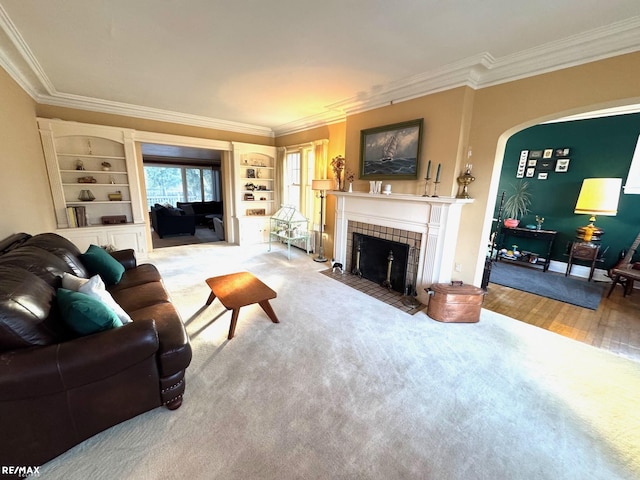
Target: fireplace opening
<point>373,261</point>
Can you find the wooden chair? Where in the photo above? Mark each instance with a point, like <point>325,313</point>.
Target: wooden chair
<point>625,272</point>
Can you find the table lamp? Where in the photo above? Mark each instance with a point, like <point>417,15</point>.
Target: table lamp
<point>598,196</point>
<point>322,186</point>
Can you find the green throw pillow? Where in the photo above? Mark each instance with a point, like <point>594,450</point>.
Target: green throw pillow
<point>84,314</point>
<point>98,261</point>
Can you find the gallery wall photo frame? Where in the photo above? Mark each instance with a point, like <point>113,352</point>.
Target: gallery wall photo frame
<point>562,165</point>
<point>391,152</point>
<point>545,165</point>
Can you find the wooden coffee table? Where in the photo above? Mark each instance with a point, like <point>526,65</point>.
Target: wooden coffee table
<point>237,290</point>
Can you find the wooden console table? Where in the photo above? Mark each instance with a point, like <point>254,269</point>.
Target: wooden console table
<point>536,260</point>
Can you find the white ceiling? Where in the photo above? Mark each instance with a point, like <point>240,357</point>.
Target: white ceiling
<point>272,67</point>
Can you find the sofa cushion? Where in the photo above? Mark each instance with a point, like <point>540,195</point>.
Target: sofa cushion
<point>42,263</point>
<point>84,314</point>
<point>61,248</point>
<point>26,302</point>
<point>98,261</point>
<point>187,208</point>
<point>168,211</point>
<point>140,296</point>
<point>143,273</point>
<point>13,241</point>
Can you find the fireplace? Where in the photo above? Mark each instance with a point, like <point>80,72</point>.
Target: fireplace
<point>428,226</point>
<point>381,261</point>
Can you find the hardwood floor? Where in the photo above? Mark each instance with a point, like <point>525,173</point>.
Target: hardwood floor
<point>614,326</point>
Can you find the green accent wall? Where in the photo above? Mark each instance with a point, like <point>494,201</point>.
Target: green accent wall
<point>600,147</point>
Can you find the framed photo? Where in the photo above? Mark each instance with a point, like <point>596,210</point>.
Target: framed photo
<point>548,153</point>
<point>391,152</point>
<point>535,154</point>
<point>546,165</point>
<point>256,212</point>
<point>542,175</point>
<point>248,196</point>
<point>562,165</point>
<point>251,173</point>
<point>562,152</point>
<point>524,154</point>
<point>531,171</point>
<point>532,163</point>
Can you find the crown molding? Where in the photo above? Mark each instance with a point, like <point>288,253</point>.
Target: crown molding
<point>484,70</point>
<point>597,44</point>
<point>138,111</point>
<point>20,63</point>
<point>479,71</point>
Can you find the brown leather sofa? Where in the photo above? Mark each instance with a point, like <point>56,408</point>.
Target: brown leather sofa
<point>57,388</point>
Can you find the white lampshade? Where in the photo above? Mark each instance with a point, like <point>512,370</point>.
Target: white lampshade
<point>599,196</point>
<point>321,184</point>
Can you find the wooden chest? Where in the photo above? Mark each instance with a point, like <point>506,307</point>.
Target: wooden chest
<point>455,302</point>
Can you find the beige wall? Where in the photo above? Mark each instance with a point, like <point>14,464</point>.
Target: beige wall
<point>454,120</point>
<point>24,186</point>
<point>445,127</point>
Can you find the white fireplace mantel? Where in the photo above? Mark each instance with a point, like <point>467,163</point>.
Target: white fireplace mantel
<point>437,219</point>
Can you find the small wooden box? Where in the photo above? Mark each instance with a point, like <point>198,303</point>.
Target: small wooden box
<point>113,219</point>
<point>455,302</point>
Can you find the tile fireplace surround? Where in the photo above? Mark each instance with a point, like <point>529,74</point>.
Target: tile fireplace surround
<point>435,220</point>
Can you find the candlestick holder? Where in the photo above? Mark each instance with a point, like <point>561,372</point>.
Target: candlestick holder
<point>426,187</point>
<point>435,189</point>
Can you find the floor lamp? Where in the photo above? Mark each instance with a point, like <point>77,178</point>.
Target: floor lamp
<point>322,186</point>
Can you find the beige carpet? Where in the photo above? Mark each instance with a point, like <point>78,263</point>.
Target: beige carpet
<point>347,387</point>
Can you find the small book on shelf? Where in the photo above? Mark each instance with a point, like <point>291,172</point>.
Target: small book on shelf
<point>77,216</point>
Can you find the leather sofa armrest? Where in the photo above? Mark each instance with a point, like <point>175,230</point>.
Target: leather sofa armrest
<point>38,371</point>
<point>126,257</point>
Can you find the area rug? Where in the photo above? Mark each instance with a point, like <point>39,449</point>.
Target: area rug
<point>202,235</point>
<point>548,284</point>
<point>346,387</point>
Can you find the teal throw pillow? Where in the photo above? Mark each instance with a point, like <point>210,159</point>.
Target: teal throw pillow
<point>84,314</point>
<point>98,261</point>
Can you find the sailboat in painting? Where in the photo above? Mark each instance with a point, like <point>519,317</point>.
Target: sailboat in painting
<point>389,149</point>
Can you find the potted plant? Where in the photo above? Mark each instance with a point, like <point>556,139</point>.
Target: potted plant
<point>517,204</point>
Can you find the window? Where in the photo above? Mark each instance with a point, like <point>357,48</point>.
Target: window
<point>169,184</point>
<point>633,178</point>
<point>299,170</point>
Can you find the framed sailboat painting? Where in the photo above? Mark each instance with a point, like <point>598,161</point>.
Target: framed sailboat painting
<point>391,151</point>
